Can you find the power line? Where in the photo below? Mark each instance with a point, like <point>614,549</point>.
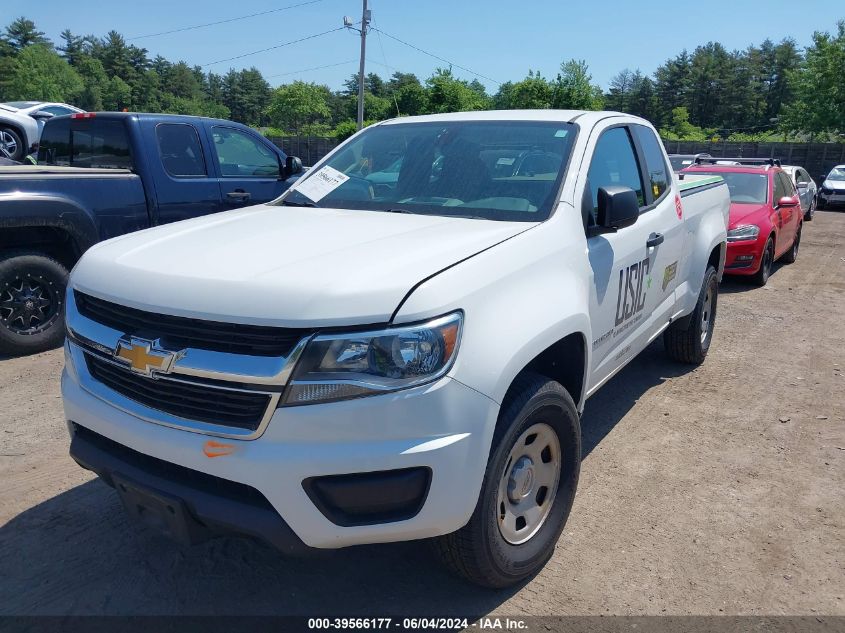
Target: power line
<point>272,48</point>
<point>442,59</point>
<point>242,17</point>
<point>384,57</point>
<point>305,70</point>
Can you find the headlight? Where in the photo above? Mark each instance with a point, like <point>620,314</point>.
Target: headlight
<point>342,366</point>
<point>741,233</point>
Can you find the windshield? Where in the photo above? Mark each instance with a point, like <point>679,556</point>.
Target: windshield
<point>495,170</point>
<point>837,173</point>
<point>744,188</point>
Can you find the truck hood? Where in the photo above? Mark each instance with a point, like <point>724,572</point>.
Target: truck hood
<point>284,266</point>
<point>746,214</point>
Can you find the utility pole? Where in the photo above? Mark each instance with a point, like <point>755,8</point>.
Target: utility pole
<point>365,23</point>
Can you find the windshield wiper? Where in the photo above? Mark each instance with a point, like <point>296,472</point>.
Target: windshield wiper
<point>290,203</point>
<point>400,210</point>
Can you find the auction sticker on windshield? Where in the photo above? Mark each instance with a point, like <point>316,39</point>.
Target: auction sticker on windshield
<point>322,183</point>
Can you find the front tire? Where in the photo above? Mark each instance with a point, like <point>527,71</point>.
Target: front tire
<point>528,488</point>
<point>688,340</point>
<point>32,295</point>
<point>768,259</point>
<point>11,144</point>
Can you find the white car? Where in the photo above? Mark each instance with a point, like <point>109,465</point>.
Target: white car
<point>21,123</point>
<point>832,190</point>
<point>365,363</point>
<point>806,187</point>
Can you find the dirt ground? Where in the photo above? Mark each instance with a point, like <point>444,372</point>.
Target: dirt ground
<point>717,490</point>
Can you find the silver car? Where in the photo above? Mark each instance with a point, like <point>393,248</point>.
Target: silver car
<point>807,190</point>
<point>832,191</point>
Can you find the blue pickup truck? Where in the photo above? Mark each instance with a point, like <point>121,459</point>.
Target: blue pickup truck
<point>101,175</point>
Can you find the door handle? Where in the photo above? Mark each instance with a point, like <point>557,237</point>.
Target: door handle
<point>654,239</point>
<point>238,195</point>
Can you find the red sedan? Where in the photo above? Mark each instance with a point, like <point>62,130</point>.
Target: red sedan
<point>766,218</point>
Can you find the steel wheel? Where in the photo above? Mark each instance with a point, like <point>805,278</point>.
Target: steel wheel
<point>706,314</point>
<point>529,483</point>
<point>29,305</point>
<point>8,144</point>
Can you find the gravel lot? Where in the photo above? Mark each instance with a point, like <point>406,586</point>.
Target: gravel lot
<point>712,491</point>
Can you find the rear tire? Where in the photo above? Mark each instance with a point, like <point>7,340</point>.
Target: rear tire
<point>32,296</point>
<point>11,144</point>
<point>762,276</point>
<point>808,217</point>
<point>499,546</point>
<point>688,340</point>
<point>792,254</point>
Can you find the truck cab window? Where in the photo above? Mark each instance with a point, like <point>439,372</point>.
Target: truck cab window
<point>239,154</point>
<point>99,143</point>
<point>655,163</point>
<point>180,150</point>
<point>614,164</point>
<point>54,147</point>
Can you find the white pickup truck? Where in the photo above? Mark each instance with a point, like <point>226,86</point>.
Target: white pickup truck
<point>399,347</point>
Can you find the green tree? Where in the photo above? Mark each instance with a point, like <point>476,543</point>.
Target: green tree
<point>820,104</point>
<point>117,95</point>
<point>22,33</point>
<point>40,74</point>
<point>247,95</point>
<point>446,93</point>
<point>680,128</point>
<point>95,83</point>
<point>300,108</point>
<point>533,92</point>
<point>573,89</point>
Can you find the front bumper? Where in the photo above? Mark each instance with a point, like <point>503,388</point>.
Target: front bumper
<point>743,258</point>
<point>444,427</point>
<point>830,199</point>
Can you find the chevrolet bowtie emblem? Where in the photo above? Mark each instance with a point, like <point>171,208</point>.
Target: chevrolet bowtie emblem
<point>144,356</point>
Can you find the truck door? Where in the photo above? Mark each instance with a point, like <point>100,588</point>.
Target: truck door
<point>184,186</point>
<point>249,168</point>
<point>634,268</point>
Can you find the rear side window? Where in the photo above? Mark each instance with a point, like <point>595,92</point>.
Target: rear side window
<point>85,143</point>
<point>241,155</point>
<point>654,161</point>
<point>786,183</point>
<point>54,146</point>
<point>614,163</point>
<point>180,150</point>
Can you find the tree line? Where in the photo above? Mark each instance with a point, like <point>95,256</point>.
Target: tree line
<point>774,91</point>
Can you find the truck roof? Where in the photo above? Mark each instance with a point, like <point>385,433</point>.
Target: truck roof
<point>154,116</point>
<point>562,116</point>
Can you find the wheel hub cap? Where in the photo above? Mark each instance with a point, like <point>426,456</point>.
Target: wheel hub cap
<point>521,480</point>
<point>529,483</point>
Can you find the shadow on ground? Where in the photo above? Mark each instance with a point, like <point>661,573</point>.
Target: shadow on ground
<point>77,554</point>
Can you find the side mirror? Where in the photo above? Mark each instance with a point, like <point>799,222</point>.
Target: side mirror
<point>618,207</point>
<point>41,116</point>
<point>822,178</point>
<point>293,166</point>
<point>787,202</point>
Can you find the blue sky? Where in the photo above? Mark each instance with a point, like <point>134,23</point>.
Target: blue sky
<point>496,38</point>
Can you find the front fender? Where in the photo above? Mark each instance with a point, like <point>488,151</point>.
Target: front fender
<point>519,298</point>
